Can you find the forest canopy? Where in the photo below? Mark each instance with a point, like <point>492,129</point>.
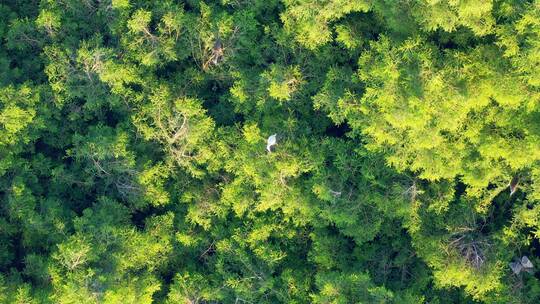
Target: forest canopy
<point>265,151</point>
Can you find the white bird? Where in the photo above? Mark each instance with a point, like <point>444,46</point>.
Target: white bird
<point>335,193</point>
<point>526,262</point>
<point>272,140</point>
<point>523,264</point>
<point>513,185</point>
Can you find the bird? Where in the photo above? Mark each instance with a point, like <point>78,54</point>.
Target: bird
<point>217,51</point>
<point>522,264</point>
<point>335,193</point>
<point>526,262</point>
<point>513,184</point>
<point>272,140</point>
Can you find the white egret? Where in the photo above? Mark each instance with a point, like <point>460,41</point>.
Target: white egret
<point>526,263</point>
<point>523,264</point>
<point>272,140</point>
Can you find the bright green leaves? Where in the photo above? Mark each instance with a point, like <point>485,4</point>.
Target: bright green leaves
<point>309,21</point>
<point>272,91</point>
<point>134,291</point>
<point>74,254</point>
<point>347,36</point>
<point>108,160</point>
<point>394,88</point>
<point>312,23</point>
<point>14,120</point>
<point>139,23</point>
<point>449,15</point>
<point>49,21</point>
<point>343,287</point>
<point>268,181</point>
<point>353,194</point>
<point>283,81</point>
<point>425,117</point>
<point>20,293</point>
<point>155,46</point>
<point>119,77</point>
<point>180,124</point>
<point>214,38</point>
<point>80,75</point>
<point>106,254</point>
<point>458,114</point>
<point>190,288</point>
<point>134,169</point>
<point>252,134</point>
<point>19,123</point>
<point>521,42</point>
<point>337,94</point>
<point>462,248</point>
<point>17,112</point>
<point>153,180</point>
<point>524,226</point>
<point>120,4</point>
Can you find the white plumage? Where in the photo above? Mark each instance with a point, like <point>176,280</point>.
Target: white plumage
<point>522,264</point>
<point>272,140</point>
<point>526,263</point>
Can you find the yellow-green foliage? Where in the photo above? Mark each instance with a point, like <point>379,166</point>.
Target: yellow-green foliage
<point>137,162</point>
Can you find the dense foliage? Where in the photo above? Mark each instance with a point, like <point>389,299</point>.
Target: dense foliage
<point>134,168</point>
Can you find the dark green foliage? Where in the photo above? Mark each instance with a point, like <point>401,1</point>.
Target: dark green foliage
<point>134,166</point>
